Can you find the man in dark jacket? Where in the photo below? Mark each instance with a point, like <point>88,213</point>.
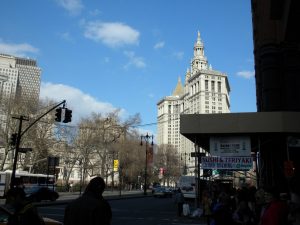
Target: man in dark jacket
<point>91,208</point>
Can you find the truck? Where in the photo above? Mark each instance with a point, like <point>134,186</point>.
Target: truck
<point>187,184</point>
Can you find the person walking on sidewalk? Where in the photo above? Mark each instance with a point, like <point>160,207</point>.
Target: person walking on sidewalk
<point>206,204</point>
<point>91,208</point>
<point>179,200</point>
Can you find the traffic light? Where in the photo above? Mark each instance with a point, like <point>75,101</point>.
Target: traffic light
<point>68,115</point>
<point>13,139</point>
<point>58,114</point>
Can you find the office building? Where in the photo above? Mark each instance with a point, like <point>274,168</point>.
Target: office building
<point>20,80</point>
<point>205,90</point>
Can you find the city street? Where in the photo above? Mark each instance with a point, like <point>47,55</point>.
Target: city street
<point>135,211</point>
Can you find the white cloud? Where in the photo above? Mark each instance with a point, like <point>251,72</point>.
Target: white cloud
<point>111,34</point>
<point>17,49</point>
<point>106,59</point>
<point>178,55</point>
<point>134,60</point>
<point>159,45</point>
<point>74,7</point>
<point>246,74</point>
<point>151,95</point>
<point>82,104</point>
<point>67,37</point>
<point>95,12</point>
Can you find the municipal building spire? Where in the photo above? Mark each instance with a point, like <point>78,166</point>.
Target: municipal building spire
<point>199,62</point>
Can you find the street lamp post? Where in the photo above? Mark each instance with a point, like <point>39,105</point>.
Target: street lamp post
<point>146,138</point>
<point>185,166</point>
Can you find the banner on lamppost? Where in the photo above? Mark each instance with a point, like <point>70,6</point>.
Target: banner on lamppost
<point>116,165</point>
<point>150,155</point>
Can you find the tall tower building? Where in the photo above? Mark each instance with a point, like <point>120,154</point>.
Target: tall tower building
<point>204,91</point>
<point>20,80</point>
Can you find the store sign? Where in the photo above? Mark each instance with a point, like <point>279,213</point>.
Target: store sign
<point>227,163</point>
<point>293,142</point>
<point>230,146</point>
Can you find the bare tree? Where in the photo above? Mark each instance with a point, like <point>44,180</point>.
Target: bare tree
<point>11,110</point>
<point>167,158</point>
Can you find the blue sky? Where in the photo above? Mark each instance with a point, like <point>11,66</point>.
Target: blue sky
<point>100,55</point>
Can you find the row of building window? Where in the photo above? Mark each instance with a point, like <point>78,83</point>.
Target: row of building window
<point>213,107</point>
<point>213,77</point>
<point>8,70</point>
<point>219,86</point>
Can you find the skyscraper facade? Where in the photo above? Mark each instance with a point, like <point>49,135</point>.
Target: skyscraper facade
<point>204,91</point>
<point>20,80</point>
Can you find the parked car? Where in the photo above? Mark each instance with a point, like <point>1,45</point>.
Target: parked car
<point>38,194</point>
<point>4,215</point>
<point>162,192</point>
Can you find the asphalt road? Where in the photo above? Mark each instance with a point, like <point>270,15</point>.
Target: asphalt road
<point>135,211</point>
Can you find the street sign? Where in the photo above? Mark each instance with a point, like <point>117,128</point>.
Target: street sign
<point>53,161</point>
<point>197,154</point>
<point>24,150</point>
<point>289,169</point>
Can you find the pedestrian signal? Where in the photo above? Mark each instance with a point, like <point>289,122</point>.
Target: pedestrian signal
<point>13,139</point>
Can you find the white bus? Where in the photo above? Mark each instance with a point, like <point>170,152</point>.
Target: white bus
<point>25,179</point>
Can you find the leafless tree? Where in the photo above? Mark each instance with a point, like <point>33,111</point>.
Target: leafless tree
<point>167,158</point>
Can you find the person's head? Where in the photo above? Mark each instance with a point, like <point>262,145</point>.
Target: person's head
<point>96,185</point>
<point>260,196</point>
<point>224,198</point>
<point>271,193</point>
<point>15,196</point>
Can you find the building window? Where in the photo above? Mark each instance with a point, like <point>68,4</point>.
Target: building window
<point>206,85</point>
<point>213,86</point>
<point>219,86</point>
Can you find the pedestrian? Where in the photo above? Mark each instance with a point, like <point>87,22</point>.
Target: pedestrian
<point>206,204</point>
<point>294,204</point>
<point>179,200</point>
<point>90,208</point>
<point>71,187</point>
<point>222,212</point>
<point>275,211</point>
<point>24,212</point>
<point>243,214</point>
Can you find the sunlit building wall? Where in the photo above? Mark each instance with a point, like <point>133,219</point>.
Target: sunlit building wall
<point>204,91</point>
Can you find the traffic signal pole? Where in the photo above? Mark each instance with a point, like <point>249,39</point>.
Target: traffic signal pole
<point>13,175</point>
<point>18,141</point>
<point>63,102</point>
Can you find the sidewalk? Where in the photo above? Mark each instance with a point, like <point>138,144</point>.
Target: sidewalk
<point>68,196</point>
